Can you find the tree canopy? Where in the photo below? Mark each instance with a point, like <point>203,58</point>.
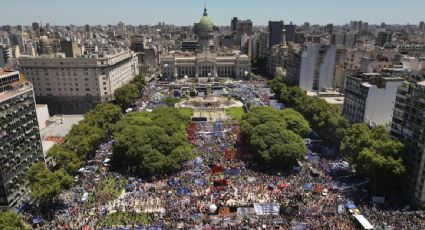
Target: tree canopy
<point>274,135</point>
<point>324,118</point>
<point>126,95</point>
<point>10,220</point>
<point>46,185</point>
<point>151,143</point>
<point>375,155</point>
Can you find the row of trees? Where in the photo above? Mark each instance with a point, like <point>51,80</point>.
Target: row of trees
<point>323,117</point>
<point>275,136</point>
<point>153,143</point>
<point>128,94</point>
<point>372,151</point>
<point>79,145</point>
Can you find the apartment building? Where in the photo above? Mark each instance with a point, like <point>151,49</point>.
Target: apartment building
<point>20,143</point>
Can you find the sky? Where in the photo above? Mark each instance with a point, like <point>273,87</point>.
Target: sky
<point>186,12</point>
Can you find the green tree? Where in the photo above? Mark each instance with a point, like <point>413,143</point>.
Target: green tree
<point>296,122</point>
<point>151,143</point>
<point>139,81</point>
<point>10,220</point>
<point>84,139</point>
<point>276,146</point>
<point>385,172</point>
<point>103,116</point>
<point>65,158</point>
<point>45,187</point>
<point>356,138</point>
<point>126,96</point>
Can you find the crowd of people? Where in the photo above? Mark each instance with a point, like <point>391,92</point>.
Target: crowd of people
<point>223,188</point>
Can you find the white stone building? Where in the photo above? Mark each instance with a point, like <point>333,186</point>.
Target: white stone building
<point>75,85</point>
<point>370,97</point>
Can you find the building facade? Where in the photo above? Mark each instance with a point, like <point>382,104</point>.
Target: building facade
<point>76,85</point>
<point>317,67</point>
<point>20,143</point>
<point>205,64</point>
<point>408,126</point>
<point>275,33</point>
<point>370,98</point>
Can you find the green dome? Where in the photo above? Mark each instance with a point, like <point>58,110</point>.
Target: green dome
<point>205,24</point>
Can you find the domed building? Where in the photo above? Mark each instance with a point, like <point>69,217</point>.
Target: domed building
<point>205,31</point>
<point>206,62</point>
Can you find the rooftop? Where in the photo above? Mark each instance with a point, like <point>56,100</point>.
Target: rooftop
<point>60,125</point>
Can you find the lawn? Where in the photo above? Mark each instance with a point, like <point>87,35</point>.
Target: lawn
<point>187,112</point>
<point>107,190</point>
<point>125,219</point>
<point>235,113</point>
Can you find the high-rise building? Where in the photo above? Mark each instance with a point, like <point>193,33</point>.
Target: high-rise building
<point>275,32</point>
<point>383,38</point>
<point>76,85</point>
<point>317,67</point>
<point>408,126</point>
<point>290,32</point>
<point>421,26</point>
<point>35,26</point>
<point>329,28</point>
<point>17,40</point>
<point>70,48</point>
<point>369,98</point>
<point>306,26</point>
<point>20,142</point>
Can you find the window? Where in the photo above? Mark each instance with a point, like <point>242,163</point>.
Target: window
<point>104,88</point>
<point>87,89</point>
<point>71,89</point>
<point>77,89</point>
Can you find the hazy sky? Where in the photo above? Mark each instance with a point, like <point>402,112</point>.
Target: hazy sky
<point>186,12</point>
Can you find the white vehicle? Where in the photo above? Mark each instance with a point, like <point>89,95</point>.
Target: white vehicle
<point>85,196</point>
<point>325,192</point>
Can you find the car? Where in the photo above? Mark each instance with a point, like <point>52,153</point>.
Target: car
<point>325,192</point>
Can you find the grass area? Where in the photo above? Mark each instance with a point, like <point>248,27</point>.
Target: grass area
<point>186,112</point>
<point>125,219</point>
<point>107,190</point>
<point>235,113</point>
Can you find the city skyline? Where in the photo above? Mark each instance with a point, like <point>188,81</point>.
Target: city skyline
<point>186,12</point>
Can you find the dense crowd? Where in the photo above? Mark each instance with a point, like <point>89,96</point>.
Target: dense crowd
<point>218,190</point>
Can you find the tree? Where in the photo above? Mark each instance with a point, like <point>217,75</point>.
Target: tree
<point>385,172</point>
<point>65,158</point>
<point>151,143</point>
<point>296,122</point>
<point>139,81</point>
<point>84,139</point>
<point>126,95</point>
<point>103,116</point>
<point>356,138</point>
<point>10,220</point>
<point>276,146</point>
<point>45,187</point>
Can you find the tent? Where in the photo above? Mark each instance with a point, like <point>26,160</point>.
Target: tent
<point>181,191</point>
<point>221,182</point>
<point>199,182</point>
<point>266,209</point>
<point>270,186</point>
<point>281,185</point>
<point>308,186</point>
<point>37,220</point>
<point>129,187</point>
<point>350,205</point>
<point>232,172</point>
<point>216,169</point>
